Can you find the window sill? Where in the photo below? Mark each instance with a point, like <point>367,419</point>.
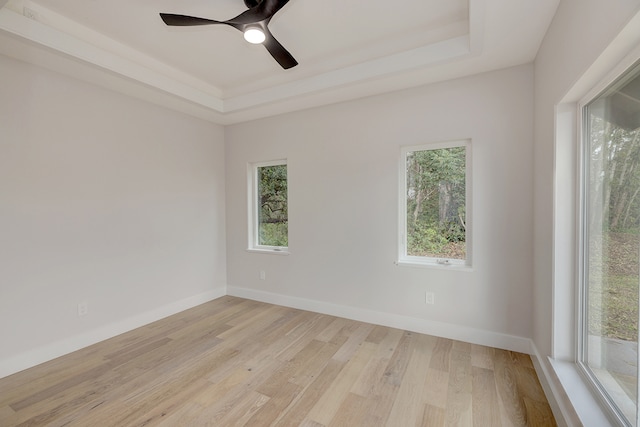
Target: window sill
<point>270,251</point>
<point>418,264</point>
<point>586,406</point>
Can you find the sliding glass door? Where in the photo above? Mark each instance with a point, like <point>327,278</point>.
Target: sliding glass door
<point>610,244</point>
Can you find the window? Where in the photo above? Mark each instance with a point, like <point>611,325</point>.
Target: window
<point>268,218</point>
<point>610,245</point>
<point>434,207</point>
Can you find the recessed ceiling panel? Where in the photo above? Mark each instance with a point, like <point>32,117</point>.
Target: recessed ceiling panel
<point>345,48</point>
<point>321,35</point>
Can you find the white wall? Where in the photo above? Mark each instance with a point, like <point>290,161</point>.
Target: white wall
<point>576,49</point>
<point>103,199</point>
<point>579,33</point>
<point>343,177</point>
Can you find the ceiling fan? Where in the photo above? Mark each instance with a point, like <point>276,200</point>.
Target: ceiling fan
<point>252,22</point>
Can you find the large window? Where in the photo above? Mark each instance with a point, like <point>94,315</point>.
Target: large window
<point>268,218</point>
<point>434,207</point>
<point>610,244</point>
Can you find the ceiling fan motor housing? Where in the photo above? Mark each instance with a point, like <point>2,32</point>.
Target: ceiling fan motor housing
<point>252,3</point>
<point>257,16</point>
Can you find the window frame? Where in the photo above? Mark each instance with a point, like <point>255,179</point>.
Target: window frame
<point>604,397</point>
<point>253,216</point>
<point>423,261</point>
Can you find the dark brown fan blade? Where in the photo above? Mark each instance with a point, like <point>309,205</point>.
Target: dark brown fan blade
<point>279,53</point>
<point>186,21</point>
<point>272,6</point>
<point>249,16</point>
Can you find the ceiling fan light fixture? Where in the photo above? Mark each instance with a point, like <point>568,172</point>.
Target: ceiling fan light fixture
<point>254,35</point>
<point>253,23</point>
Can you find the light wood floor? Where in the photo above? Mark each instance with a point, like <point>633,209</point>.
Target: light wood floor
<point>235,362</point>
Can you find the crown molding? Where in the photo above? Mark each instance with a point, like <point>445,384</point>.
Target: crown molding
<point>95,58</point>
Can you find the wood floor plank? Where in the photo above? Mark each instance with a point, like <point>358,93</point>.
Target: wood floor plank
<point>436,388</point>
<point>296,414</point>
<point>290,369</point>
<point>400,359</point>
<point>244,317</point>
<point>216,405</point>
<point>387,346</point>
<point>16,387</point>
<point>326,407</point>
<point>372,382</point>
<point>60,387</point>
<point>520,359</point>
<point>277,403</point>
<point>355,411</point>
<point>433,417</point>
<point>236,362</point>
<point>441,355</point>
<point>279,341</point>
<point>377,334</point>
<point>145,412</point>
<point>245,410</point>
<point>303,368</point>
<point>255,323</point>
<point>459,410</point>
<point>407,409</point>
<point>370,377</point>
<point>8,416</point>
<point>216,392</point>
<point>154,389</point>
<point>302,336</point>
<point>529,385</point>
<point>512,403</point>
<point>539,413</point>
<point>234,310</point>
<point>482,357</point>
<point>259,346</point>
<point>353,341</point>
<point>486,409</point>
<point>336,325</point>
<point>460,346</point>
<point>385,394</point>
<point>181,416</point>
<point>308,370</point>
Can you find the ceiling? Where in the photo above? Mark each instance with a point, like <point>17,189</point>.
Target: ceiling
<point>345,49</point>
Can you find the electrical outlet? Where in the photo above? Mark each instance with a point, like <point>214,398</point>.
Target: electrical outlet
<point>83,309</point>
<point>430,298</point>
<point>263,275</point>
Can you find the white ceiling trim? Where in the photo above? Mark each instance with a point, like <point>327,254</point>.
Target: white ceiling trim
<point>113,57</point>
<point>46,36</point>
<point>405,61</point>
<point>477,19</point>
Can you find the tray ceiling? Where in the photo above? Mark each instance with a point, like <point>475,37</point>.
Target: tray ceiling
<point>345,49</point>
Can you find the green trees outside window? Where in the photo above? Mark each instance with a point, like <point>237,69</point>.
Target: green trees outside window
<point>436,203</point>
<point>272,206</point>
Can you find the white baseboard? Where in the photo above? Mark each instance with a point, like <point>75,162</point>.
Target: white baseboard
<point>446,330</point>
<point>440,329</point>
<point>51,351</point>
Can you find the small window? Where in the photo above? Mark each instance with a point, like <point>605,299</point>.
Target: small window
<point>434,206</point>
<point>268,218</point>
